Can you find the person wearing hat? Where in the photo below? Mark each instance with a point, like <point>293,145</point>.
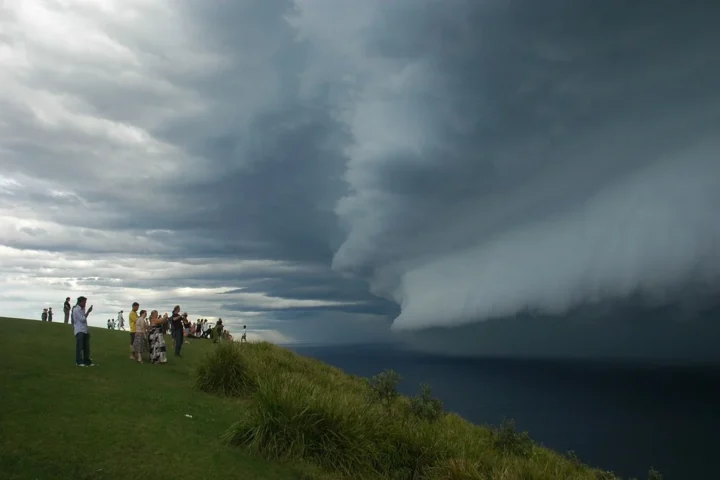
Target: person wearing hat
<point>82,334</point>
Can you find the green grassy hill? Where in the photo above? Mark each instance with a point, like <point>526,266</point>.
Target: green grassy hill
<point>258,412</point>
<point>119,420</point>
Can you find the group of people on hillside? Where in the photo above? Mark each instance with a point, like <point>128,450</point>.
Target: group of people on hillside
<point>112,324</point>
<point>147,334</point>
<point>119,323</point>
<point>47,313</point>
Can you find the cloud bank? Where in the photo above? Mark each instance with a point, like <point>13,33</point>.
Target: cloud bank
<point>325,170</point>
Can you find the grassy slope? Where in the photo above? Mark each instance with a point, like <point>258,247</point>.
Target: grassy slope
<point>117,420</point>
<point>125,420</point>
<point>300,408</point>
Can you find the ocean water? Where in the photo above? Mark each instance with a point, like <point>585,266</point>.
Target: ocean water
<point>619,417</point>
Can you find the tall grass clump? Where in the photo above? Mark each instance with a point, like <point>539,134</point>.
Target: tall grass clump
<point>291,417</point>
<point>224,371</point>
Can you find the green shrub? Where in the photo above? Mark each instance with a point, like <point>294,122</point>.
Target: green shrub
<point>507,439</point>
<point>383,387</point>
<point>409,451</point>
<point>574,459</point>
<point>425,407</point>
<point>654,474</point>
<point>224,371</point>
<point>293,418</point>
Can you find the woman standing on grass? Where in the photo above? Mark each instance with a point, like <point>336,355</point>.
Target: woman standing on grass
<point>140,343</point>
<point>158,352</point>
<point>218,331</point>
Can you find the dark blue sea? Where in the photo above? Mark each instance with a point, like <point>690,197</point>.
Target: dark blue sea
<point>620,417</point>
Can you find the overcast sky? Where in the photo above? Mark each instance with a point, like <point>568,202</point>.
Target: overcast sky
<point>344,170</point>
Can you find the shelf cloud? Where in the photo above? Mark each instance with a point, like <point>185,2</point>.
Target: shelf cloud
<point>441,173</point>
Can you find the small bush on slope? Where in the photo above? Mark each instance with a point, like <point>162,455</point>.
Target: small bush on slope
<point>508,440</point>
<point>425,407</point>
<point>383,388</point>
<point>224,371</point>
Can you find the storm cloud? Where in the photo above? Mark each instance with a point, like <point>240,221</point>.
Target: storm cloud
<point>335,170</point>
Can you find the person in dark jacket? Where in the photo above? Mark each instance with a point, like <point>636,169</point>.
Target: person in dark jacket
<point>66,309</point>
<point>177,329</point>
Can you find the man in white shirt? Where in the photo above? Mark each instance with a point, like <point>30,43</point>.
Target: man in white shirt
<point>82,334</point>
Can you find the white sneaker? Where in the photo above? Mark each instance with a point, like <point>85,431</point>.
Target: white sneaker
<point>80,364</point>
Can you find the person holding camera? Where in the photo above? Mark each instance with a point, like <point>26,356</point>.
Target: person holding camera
<point>177,329</point>
<point>82,335</point>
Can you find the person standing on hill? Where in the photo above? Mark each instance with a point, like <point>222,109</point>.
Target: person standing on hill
<point>44,315</point>
<point>120,321</point>
<point>157,337</point>
<point>205,329</point>
<point>133,318</point>
<point>82,334</point>
<point>243,339</point>
<point>142,329</point>
<point>50,314</point>
<point>218,334</point>
<point>177,329</point>
<point>66,309</point>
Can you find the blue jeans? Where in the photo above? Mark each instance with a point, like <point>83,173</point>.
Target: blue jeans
<point>178,335</point>
<point>82,348</point>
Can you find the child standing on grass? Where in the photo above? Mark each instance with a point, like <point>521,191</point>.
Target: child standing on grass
<point>141,330</point>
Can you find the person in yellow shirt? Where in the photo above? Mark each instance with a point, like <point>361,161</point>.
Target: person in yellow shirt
<point>133,326</point>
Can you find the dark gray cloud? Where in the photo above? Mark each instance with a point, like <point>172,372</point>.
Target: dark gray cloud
<point>321,167</point>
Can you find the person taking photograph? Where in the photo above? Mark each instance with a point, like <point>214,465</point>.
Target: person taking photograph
<point>82,334</point>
